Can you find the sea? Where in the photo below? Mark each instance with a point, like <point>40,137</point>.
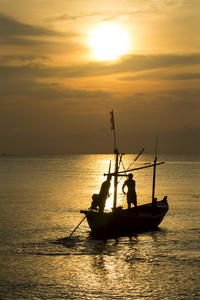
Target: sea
<point>40,202</point>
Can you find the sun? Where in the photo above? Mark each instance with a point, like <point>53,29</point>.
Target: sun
<point>108,42</point>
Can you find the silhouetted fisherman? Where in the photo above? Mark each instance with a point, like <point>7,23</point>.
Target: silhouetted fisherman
<point>131,194</point>
<point>99,200</point>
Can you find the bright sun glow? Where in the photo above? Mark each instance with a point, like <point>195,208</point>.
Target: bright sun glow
<point>109,41</point>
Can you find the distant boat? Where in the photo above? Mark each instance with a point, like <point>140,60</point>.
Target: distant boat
<point>127,221</point>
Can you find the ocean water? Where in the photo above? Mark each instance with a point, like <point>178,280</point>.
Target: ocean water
<point>40,203</point>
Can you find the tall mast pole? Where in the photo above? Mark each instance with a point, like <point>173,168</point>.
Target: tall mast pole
<point>115,179</point>
<point>116,152</point>
<point>154,176</point>
<point>112,121</point>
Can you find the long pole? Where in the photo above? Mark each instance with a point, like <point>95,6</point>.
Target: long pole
<point>112,121</point>
<point>140,168</point>
<point>115,179</point>
<point>135,158</point>
<point>79,224</point>
<point>154,176</point>
<point>116,152</point>
<point>115,142</point>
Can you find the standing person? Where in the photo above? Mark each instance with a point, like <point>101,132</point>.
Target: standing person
<point>131,194</point>
<point>100,199</point>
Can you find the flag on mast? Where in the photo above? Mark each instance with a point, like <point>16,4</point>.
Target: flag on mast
<point>112,120</point>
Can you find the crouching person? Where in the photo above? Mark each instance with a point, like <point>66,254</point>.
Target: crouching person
<point>99,200</point>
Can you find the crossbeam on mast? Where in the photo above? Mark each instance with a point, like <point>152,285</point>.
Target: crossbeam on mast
<point>121,172</point>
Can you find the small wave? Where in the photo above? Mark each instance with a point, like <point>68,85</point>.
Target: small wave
<point>196,196</point>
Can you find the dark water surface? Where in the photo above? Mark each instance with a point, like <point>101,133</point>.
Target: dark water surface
<point>40,200</point>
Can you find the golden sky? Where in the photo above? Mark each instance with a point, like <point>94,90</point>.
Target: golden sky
<point>56,95</point>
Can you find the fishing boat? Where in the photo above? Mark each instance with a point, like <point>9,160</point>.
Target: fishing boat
<point>122,221</point>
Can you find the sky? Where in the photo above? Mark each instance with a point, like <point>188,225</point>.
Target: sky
<point>56,96</point>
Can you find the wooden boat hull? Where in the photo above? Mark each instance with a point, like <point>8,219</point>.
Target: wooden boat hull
<point>124,221</point>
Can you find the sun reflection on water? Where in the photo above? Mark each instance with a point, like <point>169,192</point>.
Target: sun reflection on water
<point>121,268</point>
<point>43,207</point>
<point>121,199</point>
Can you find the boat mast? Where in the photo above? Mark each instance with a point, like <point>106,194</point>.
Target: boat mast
<point>116,152</point>
<point>154,176</point>
<point>115,179</point>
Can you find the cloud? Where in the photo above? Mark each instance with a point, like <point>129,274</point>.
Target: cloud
<point>127,64</point>
<point>13,32</point>
<point>46,92</point>
<point>32,67</point>
<point>11,27</point>
<point>158,75</point>
<point>29,40</point>
<point>23,59</point>
<point>112,12</point>
<point>68,17</point>
<point>43,102</point>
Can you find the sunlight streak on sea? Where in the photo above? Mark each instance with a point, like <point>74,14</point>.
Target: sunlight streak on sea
<point>40,201</point>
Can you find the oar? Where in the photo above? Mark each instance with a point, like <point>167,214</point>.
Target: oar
<point>79,224</point>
